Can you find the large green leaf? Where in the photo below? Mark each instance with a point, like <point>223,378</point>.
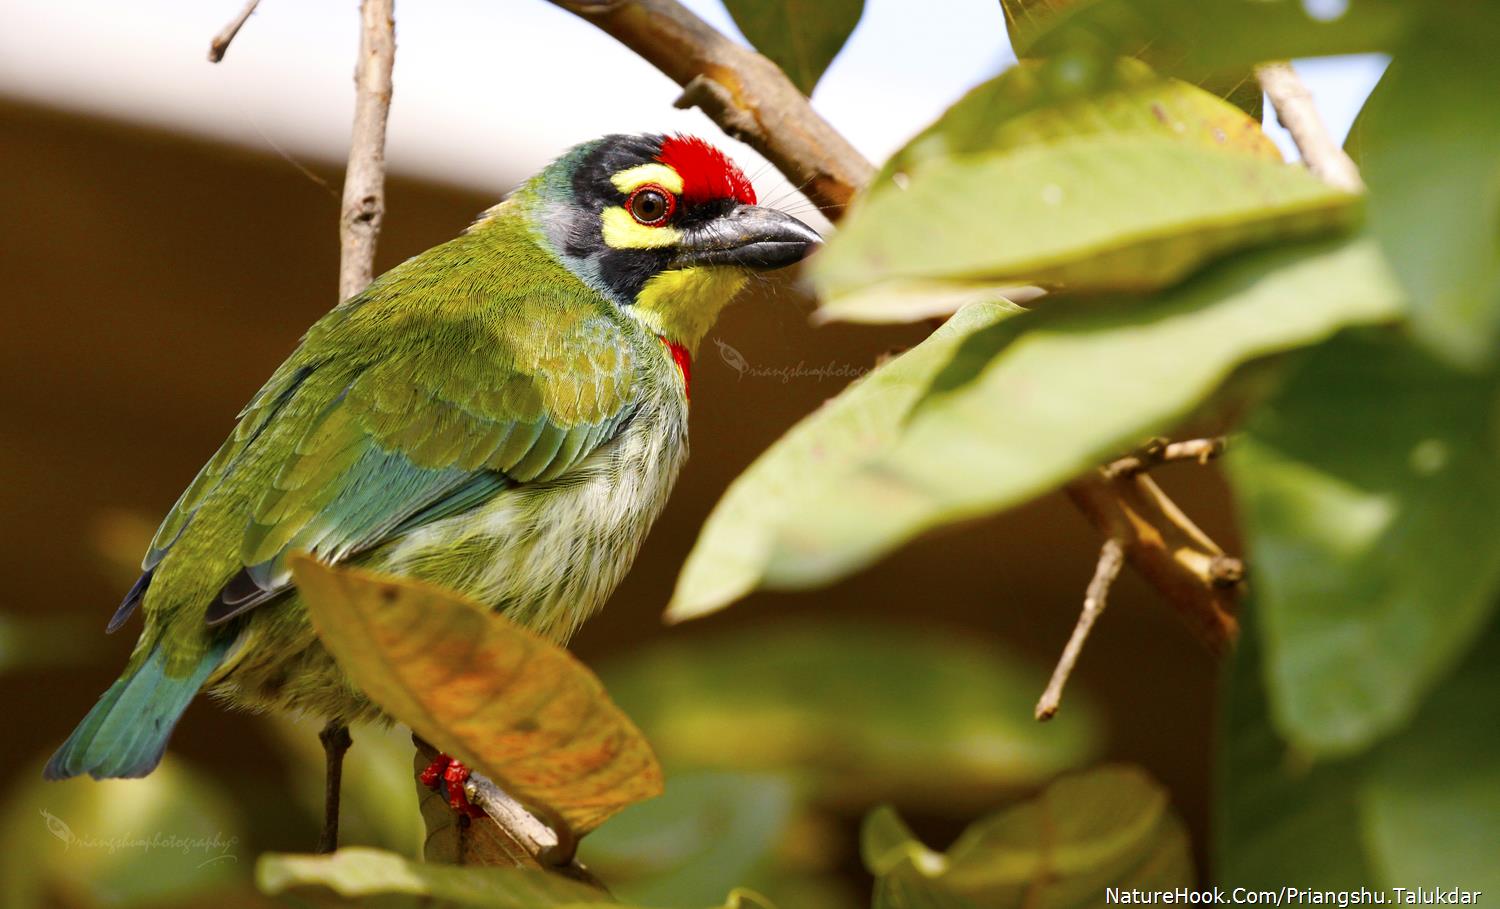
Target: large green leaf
<point>1429,145</point>
<point>1370,494</point>
<point>1038,103</point>
<point>1419,809</point>
<point>1117,211</point>
<point>708,833</point>
<point>856,712</point>
<point>1205,38</point>
<point>1432,796</point>
<point>735,544</point>
<point>1280,820</point>
<point>1041,118</point>
<point>800,36</point>
<point>1110,827</point>
<point>1026,405</point>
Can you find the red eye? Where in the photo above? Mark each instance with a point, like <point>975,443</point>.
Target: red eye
<point>651,205</point>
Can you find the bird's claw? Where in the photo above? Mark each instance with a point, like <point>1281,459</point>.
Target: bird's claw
<point>445,773</point>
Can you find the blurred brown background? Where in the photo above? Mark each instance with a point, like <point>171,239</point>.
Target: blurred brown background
<point>153,282</point>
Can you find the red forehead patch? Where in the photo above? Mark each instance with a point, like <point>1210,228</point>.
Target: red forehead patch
<point>707,173</point>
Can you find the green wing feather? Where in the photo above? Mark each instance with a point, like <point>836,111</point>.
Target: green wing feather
<point>420,398</point>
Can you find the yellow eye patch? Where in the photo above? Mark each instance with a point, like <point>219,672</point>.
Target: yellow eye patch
<point>621,231</point>
<point>629,180</point>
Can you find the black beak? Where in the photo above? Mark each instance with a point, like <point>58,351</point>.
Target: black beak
<point>748,236</point>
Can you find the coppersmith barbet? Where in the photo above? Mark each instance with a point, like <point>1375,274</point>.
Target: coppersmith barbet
<point>504,415</point>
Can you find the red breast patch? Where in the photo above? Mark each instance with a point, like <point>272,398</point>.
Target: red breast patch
<point>707,173</point>
<point>684,361</point>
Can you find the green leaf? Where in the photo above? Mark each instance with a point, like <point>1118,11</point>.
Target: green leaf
<point>1429,147</point>
<point>1113,212</point>
<point>356,871</point>
<point>1432,796</point>
<point>855,712</point>
<point>1102,178</point>
<point>1205,38</point>
<point>708,833</point>
<point>1109,827</point>
<point>1039,103</point>
<point>735,544</point>
<point>800,36</point>
<point>1026,18</point>
<point>1370,494</point>
<point>172,838</point>
<point>1419,809</point>
<point>1029,404</point>
<point>1280,819</point>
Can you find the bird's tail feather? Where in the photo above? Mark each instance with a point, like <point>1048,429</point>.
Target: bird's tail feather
<point>127,731</point>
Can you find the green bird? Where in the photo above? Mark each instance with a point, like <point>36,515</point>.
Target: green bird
<point>504,415</point>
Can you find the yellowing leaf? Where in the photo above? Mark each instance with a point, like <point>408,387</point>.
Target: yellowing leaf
<point>508,703</point>
<point>1113,212</point>
<point>1110,827</point>
<point>1039,103</point>
<point>1082,177</point>
<point>1204,38</point>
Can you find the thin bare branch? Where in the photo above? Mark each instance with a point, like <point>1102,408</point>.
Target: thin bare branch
<point>364,180</point>
<point>1160,451</point>
<point>752,99</point>
<point>1111,559</point>
<point>220,43</point>
<point>1296,111</point>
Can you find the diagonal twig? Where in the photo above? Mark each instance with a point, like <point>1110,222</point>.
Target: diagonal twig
<point>1296,111</point>
<point>753,100</point>
<point>1111,559</point>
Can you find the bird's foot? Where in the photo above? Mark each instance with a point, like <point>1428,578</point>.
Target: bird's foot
<point>445,773</point>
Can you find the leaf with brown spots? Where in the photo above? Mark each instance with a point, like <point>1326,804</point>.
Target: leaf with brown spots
<point>508,703</point>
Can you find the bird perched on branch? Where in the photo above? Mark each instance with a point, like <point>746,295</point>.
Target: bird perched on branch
<point>504,415</point>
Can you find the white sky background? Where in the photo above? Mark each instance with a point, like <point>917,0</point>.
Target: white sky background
<point>489,90</point>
